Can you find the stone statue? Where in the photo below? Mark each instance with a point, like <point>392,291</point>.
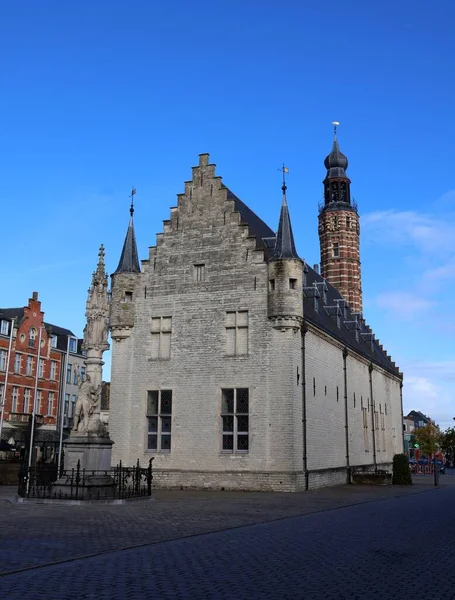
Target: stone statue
<point>87,401</point>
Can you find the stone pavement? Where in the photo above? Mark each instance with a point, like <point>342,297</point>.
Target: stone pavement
<point>330,543</point>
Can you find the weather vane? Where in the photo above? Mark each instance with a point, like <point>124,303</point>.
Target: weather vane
<point>335,125</point>
<point>133,192</point>
<point>285,171</point>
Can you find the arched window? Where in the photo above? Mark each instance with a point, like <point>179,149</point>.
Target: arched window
<point>32,337</point>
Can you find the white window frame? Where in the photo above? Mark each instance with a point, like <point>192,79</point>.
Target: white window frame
<point>4,327</point>
<point>54,339</point>
<point>41,367</point>
<point>236,416</point>
<point>237,326</point>
<point>159,422</point>
<point>27,397</point>
<point>53,373</point>
<point>73,345</point>
<point>38,402</point>
<point>14,398</point>
<point>50,404</point>
<point>3,359</point>
<point>17,363</point>
<point>29,365</point>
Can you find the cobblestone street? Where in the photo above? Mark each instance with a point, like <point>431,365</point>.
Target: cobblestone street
<point>340,543</point>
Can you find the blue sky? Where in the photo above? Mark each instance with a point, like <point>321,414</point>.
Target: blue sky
<point>97,96</point>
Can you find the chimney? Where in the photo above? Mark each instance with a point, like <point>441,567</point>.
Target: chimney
<point>316,268</point>
<point>35,296</point>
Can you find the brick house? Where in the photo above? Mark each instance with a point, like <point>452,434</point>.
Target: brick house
<point>37,361</point>
<point>238,366</point>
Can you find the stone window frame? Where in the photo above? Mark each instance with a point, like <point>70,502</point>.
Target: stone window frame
<point>41,367</point>
<point>4,327</point>
<point>27,398</point>
<point>237,325</point>
<point>39,402</point>
<point>235,420</point>
<point>50,403</point>
<point>14,398</point>
<point>159,421</point>
<point>53,372</point>
<point>32,337</point>
<point>17,363</point>
<point>161,337</point>
<point>29,365</point>
<point>3,359</point>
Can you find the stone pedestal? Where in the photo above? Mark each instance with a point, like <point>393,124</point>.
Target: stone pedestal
<point>87,469</point>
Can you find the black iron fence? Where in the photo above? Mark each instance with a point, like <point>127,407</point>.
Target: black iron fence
<point>118,483</point>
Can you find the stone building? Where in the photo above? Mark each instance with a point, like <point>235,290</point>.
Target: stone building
<point>234,363</point>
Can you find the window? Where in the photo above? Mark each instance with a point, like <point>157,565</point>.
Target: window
<point>41,367</point>
<point>68,372</point>
<point>2,387</point>
<point>336,249</point>
<point>14,399</point>
<point>75,377</point>
<point>159,420</point>
<point>54,341</point>
<point>271,285</point>
<point>235,420</point>
<point>293,284</point>
<point>383,432</point>
<point>199,272</point>
<point>17,362</point>
<point>73,405</point>
<point>50,404</point>
<point>128,297</point>
<point>237,333</point>
<point>73,344</point>
<point>32,337</point>
<point>4,327</point>
<point>39,403</point>
<point>366,439</point>
<point>29,366</point>
<point>53,369</point>
<point>82,372</point>
<point>161,337</point>
<point>3,356</point>
<point>67,404</point>
<point>27,393</point>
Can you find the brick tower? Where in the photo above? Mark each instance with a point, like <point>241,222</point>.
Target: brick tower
<point>339,230</point>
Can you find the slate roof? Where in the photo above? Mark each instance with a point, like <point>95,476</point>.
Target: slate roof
<point>129,260</point>
<point>284,245</point>
<point>325,317</point>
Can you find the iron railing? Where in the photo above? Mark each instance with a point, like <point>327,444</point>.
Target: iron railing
<point>118,483</point>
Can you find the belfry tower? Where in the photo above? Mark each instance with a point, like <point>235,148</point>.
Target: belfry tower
<point>339,230</point>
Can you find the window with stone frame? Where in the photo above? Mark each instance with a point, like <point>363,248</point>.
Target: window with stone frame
<point>237,333</point>
<point>235,420</point>
<point>17,362</point>
<point>53,369</point>
<point>27,394</point>
<point>199,272</point>
<point>161,338</point>
<point>366,438</point>
<point>4,327</point>
<point>383,432</point>
<point>3,357</point>
<point>14,399</point>
<point>31,337</point>
<point>50,404</point>
<point>41,366</point>
<point>2,387</point>
<point>159,420</point>
<point>29,366</point>
<point>39,403</point>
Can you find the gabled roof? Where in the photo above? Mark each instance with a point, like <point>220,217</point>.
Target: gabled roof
<point>325,317</point>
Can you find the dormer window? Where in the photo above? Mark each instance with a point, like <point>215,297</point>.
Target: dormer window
<point>4,327</point>
<point>54,341</point>
<point>73,344</point>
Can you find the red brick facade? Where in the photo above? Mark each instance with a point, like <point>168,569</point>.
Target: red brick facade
<point>339,237</point>
<point>25,359</point>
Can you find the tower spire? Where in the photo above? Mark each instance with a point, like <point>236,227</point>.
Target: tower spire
<point>284,246</point>
<point>129,261</point>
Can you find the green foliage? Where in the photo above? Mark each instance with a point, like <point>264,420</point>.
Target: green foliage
<point>401,470</point>
<point>428,438</point>
<point>447,440</point>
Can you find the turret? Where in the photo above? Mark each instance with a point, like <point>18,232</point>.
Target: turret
<point>124,280</point>
<point>285,272</point>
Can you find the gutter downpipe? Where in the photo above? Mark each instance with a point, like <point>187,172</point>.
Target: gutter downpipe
<point>346,413</point>
<point>402,419</point>
<point>304,419</point>
<point>370,371</point>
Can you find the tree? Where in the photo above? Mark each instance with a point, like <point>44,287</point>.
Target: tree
<point>448,442</point>
<point>428,438</point>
